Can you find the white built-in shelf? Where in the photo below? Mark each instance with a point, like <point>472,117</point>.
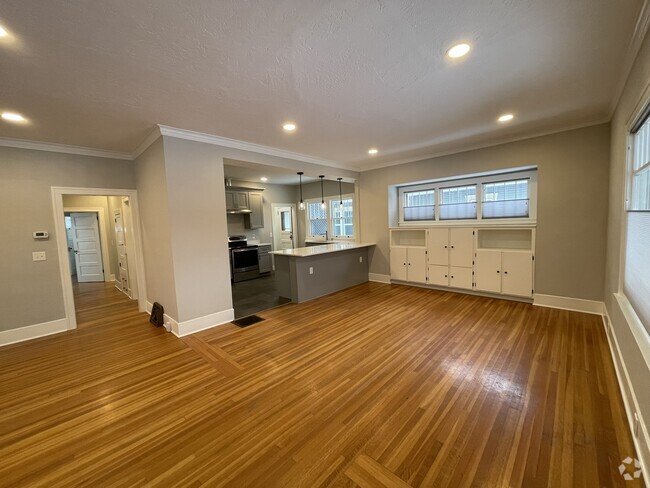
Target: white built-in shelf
<point>506,239</point>
<point>408,238</point>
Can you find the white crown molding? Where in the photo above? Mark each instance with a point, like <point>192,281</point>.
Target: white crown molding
<point>63,148</point>
<point>247,146</point>
<point>633,47</point>
<point>461,148</point>
<point>148,141</point>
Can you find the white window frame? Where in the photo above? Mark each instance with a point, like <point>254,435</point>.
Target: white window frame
<point>330,224</point>
<point>629,170</point>
<point>478,180</point>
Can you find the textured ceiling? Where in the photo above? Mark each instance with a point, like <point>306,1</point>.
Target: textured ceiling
<point>352,74</point>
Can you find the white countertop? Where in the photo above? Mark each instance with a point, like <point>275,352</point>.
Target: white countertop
<point>302,252</point>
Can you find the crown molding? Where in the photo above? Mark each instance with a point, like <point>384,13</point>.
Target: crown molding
<point>63,148</point>
<point>633,48</point>
<point>247,146</point>
<point>148,141</point>
<point>474,147</point>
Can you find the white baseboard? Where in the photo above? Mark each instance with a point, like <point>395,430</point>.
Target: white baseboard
<point>111,277</point>
<point>180,329</point>
<point>567,303</point>
<point>642,441</point>
<point>379,278</point>
<point>33,331</point>
<point>206,322</point>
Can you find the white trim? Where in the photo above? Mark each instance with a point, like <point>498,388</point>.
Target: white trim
<point>63,148</point>
<point>201,323</point>
<point>106,262</point>
<point>62,244</point>
<point>379,278</point>
<point>629,396</point>
<point>641,335</point>
<point>568,303</point>
<point>111,277</point>
<point>32,331</point>
<point>148,141</point>
<point>246,146</point>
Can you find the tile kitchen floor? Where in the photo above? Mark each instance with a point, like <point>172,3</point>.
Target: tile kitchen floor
<point>253,296</point>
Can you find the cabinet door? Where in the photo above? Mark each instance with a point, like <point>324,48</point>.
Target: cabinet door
<point>461,247</point>
<point>417,265</point>
<point>241,199</point>
<point>488,271</point>
<point>439,275</point>
<point>438,247</point>
<point>230,201</point>
<point>255,220</point>
<point>265,263</point>
<point>517,270</point>
<point>398,263</point>
<point>460,277</point>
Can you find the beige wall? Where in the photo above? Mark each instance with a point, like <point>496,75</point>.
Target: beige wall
<point>635,364</point>
<point>151,181</point>
<point>78,201</point>
<point>30,292</point>
<point>571,204</point>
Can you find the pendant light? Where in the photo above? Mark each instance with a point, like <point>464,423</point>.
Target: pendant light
<point>302,203</point>
<point>322,196</point>
<point>340,194</point>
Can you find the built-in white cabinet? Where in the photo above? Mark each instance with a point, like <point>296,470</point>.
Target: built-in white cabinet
<point>486,259</point>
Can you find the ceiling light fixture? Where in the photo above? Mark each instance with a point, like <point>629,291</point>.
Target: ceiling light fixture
<point>322,195</point>
<point>302,203</point>
<point>264,178</point>
<point>340,194</point>
<point>288,126</point>
<point>372,151</point>
<point>3,32</point>
<point>506,118</point>
<point>459,50</point>
<point>13,117</point>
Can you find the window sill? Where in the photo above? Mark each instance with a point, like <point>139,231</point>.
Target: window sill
<point>470,223</point>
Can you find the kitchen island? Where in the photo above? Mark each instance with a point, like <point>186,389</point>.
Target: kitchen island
<point>310,272</point>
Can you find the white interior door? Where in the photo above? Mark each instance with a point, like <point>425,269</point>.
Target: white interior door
<point>488,271</point>
<point>70,242</point>
<point>87,247</point>
<point>283,227</point>
<point>517,273</point>
<point>122,257</point>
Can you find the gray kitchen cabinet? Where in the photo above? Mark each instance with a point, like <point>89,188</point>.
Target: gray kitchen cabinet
<point>237,200</point>
<point>264,258</point>
<point>255,219</point>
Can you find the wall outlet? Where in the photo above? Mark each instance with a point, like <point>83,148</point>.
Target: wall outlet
<point>311,270</point>
<point>39,256</point>
<point>361,259</point>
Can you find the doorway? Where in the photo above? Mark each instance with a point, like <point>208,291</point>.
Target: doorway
<point>100,253</point>
<point>284,221</point>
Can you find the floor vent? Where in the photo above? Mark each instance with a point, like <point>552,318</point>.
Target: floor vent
<point>246,321</point>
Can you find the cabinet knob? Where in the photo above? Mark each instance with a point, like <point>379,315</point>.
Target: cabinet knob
<point>445,247</point>
<point>452,277</point>
<point>452,247</point>
<point>445,276</point>
<point>505,272</point>
<point>498,271</point>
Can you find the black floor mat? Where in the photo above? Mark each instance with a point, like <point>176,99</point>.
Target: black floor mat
<point>246,321</point>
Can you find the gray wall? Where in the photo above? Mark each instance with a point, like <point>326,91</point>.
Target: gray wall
<point>636,366</point>
<point>571,204</point>
<point>70,201</point>
<point>151,179</point>
<point>31,293</point>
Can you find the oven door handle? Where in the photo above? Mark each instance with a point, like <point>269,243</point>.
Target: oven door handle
<point>244,250</point>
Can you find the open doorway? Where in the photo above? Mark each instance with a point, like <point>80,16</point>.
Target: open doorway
<point>100,253</point>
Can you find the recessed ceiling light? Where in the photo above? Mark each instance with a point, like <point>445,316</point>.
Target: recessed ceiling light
<point>13,117</point>
<point>289,126</point>
<point>372,151</point>
<point>459,50</point>
<point>506,118</point>
<point>3,32</point>
<point>264,178</point>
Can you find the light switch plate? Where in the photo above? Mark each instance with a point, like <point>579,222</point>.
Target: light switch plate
<point>39,256</point>
<point>311,270</point>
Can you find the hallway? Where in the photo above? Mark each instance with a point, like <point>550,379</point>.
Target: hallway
<point>93,302</point>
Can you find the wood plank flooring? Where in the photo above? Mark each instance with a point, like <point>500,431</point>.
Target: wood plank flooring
<point>375,386</point>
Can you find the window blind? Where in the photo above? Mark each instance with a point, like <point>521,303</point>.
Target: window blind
<point>636,281</point>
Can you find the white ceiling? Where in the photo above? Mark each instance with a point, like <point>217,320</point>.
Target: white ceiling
<point>351,73</point>
<point>252,172</point>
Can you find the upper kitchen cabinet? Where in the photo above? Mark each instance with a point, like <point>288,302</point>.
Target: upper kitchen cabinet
<point>237,200</point>
<point>255,219</point>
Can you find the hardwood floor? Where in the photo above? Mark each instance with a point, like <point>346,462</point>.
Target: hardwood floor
<point>377,385</point>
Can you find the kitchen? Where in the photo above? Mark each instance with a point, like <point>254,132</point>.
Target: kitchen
<point>271,209</point>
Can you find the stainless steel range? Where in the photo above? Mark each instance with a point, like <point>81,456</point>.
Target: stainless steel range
<point>244,263</point>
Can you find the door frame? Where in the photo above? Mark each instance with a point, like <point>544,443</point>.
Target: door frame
<point>102,237</point>
<point>274,206</point>
<point>62,244</point>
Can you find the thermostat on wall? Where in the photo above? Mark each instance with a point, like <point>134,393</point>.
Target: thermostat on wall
<point>41,234</point>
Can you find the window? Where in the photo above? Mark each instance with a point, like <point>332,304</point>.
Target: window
<point>458,203</point>
<point>489,196</point>
<point>640,171</point>
<point>505,199</point>
<point>333,221</point>
<point>419,205</point>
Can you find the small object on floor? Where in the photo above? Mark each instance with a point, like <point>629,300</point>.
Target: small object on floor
<point>157,313</point>
<point>246,321</point>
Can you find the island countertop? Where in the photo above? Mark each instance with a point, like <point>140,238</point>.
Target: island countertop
<point>303,252</point>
